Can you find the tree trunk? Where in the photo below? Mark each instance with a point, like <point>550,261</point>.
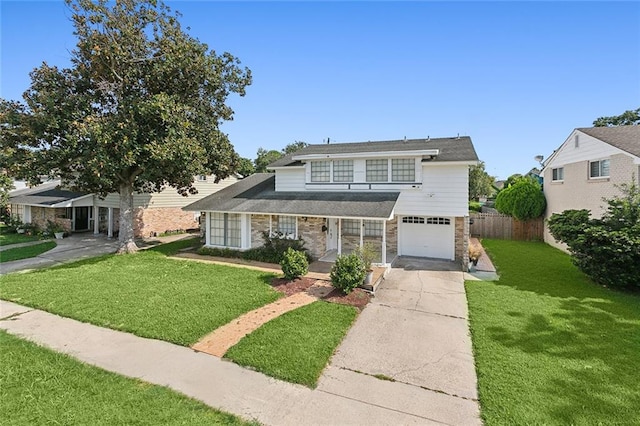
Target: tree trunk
<point>125,236</point>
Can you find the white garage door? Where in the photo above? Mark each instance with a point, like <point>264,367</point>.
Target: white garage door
<point>427,237</point>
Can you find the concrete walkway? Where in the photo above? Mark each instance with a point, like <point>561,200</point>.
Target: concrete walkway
<point>226,386</point>
<point>414,332</point>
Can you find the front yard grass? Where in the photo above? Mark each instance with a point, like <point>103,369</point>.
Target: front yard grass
<point>297,345</point>
<point>40,386</point>
<point>26,252</point>
<point>551,347</point>
<point>8,238</point>
<point>145,293</point>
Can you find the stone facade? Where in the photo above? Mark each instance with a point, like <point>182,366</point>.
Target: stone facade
<point>148,222</point>
<point>462,241</point>
<point>315,239</point>
<point>392,235</point>
<point>259,224</point>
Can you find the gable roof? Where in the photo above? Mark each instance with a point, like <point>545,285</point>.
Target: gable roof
<point>257,194</point>
<point>46,195</point>
<point>626,138</point>
<point>450,149</point>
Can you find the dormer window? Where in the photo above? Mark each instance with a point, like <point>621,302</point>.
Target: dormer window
<point>320,171</point>
<point>403,170</point>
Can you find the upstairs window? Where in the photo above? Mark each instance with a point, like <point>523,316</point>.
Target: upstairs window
<point>598,169</point>
<point>557,174</point>
<point>342,171</point>
<point>403,170</point>
<point>320,171</point>
<point>377,171</point>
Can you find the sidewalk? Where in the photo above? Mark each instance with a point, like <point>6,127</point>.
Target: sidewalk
<point>222,384</point>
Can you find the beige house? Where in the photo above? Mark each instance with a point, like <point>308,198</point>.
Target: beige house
<point>154,213</point>
<point>404,197</point>
<point>587,167</point>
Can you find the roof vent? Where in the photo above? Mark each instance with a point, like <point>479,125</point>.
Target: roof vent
<point>458,137</point>
<point>405,138</point>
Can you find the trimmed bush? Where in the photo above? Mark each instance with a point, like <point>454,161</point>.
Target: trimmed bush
<point>294,264</point>
<point>522,200</point>
<point>348,272</point>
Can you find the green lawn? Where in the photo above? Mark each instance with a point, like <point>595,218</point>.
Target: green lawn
<point>7,238</point>
<point>40,386</point>
<point>297,345</point>
<point>146,293</point>
<point>18,253</point>
<point>551,347</point>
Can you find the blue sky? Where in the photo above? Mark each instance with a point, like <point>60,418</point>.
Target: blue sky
<point>515,76</point>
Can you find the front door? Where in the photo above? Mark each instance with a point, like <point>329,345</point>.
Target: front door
<point>82,218</point>
<point>332,234</point>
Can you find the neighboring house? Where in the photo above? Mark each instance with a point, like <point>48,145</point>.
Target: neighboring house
<point>154,213</point>
<point>587,167</point>
<point>406,197</point>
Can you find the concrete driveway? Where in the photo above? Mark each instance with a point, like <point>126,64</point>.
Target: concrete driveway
<point>410,349</point>
<point>75,247</point>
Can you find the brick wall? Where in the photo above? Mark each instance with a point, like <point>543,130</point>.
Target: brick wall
<point>315,239</point>
<point>259,223</point>
<point>462,241</point>
<point>150,221</point>
<point>40,217</point>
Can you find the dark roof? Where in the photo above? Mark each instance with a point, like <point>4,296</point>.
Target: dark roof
<point>256,194</point>
<point>451,149</point>
<point>626,138</point>
<point>44,195</point>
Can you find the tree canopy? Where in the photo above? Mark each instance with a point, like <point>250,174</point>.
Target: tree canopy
<point>480,183</point>
<point>631,117</point>
<point>139,108</point>
<point>523,199</point>
<point>264,157</point>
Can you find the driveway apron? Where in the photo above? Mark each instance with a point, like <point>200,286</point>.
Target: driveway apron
<point>414,336</point>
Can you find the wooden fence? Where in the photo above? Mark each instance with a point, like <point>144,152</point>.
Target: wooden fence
<point>500,226</point>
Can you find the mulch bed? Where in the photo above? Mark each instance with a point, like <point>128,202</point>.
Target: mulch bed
<point>289,288</point>
<point>357,298</point>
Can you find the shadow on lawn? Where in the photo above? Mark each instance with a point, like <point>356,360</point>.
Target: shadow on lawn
<point>593,332</point>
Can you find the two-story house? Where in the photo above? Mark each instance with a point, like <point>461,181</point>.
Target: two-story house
<point>587,167</point>
<point>154,213</point>
<point>405,197</point>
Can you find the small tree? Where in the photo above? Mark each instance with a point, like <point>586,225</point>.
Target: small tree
<point>480,183</point>
<point>522,200</point>
<point>606,249</point>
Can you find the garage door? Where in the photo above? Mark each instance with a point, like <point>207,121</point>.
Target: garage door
<point>427,237</point>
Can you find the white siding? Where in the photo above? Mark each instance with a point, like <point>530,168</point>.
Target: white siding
<point>290,180</point>
<point>169,197</point>
<point>445,192</point>
<point>589,148</point>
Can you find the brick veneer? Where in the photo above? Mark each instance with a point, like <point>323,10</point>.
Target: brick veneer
<point>40,217</point>
<point>462,241</point>
<point>150,221</point>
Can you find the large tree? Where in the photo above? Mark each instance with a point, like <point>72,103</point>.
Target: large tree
<point>264,157</point>
<point>139,109</point>
<point>631,117</point>
<point>480,183</point>
<point>523,199</point>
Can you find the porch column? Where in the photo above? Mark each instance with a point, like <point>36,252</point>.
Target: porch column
<point>110,222</point>
<point>384,242</point>
<point>207,228</point>
<point>270,226</point>
<point>361,233</point>
<point>73,218</point>
<point>96,220</point>
<point>339,236</point>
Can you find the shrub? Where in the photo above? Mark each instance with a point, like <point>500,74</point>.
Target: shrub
<point>272,252</point>
<point>294,264</point>
<point>522,200</point>
<point>367,253</point>
<point>607,249</point>
<point>348,272</point>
